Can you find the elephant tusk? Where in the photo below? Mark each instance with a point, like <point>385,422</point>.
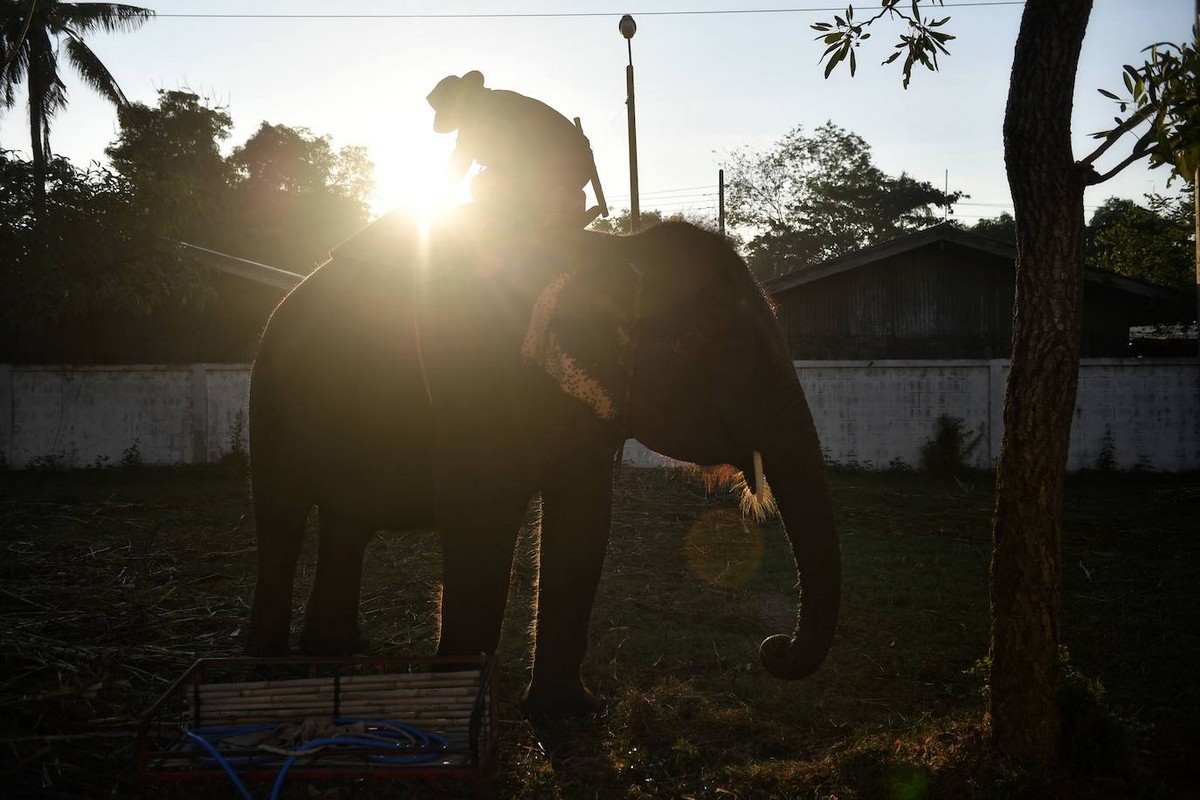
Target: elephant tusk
<point>760,482</point>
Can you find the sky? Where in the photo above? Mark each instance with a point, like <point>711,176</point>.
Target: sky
<point>706,84</point>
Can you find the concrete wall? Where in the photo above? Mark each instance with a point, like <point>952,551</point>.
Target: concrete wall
<point>93,416</point>
<point>1142,413</point>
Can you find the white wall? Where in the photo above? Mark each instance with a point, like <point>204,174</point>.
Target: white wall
<point>89,416</point>
<point>1145,411</point>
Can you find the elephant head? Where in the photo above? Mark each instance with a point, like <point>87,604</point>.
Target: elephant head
<point>695,365</point>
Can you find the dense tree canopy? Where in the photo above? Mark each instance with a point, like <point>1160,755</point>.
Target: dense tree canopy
<point>284,197</point>
<point>295,197</point>
<point>1151,243</point>
<point>170,155</point>
<point>816,196</point>
<point>1002,228</point>
<point>94,247</point>
<point>105,242</point>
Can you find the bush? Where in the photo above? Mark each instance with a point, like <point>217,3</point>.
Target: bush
<point>947,453</point>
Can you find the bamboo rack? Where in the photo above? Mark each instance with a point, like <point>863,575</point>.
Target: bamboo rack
<point>426,698</point>
<point>458,705</point>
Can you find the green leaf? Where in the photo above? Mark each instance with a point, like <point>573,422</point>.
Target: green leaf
<point>1108,94</point>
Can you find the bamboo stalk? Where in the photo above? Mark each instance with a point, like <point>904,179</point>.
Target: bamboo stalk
<point>398,678</point>
<point>292,713</point>
<point>350,691</point>
<point>284,712</point>
<point>308,701</point>
<point>432,724</point>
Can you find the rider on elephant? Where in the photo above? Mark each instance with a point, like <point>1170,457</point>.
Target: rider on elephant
<point>534,159</point>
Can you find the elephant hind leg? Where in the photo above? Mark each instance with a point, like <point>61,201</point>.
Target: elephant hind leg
<point>279,532</point>
<point>331,624</point>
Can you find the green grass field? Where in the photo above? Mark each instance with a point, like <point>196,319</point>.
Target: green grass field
<point>113,581</point>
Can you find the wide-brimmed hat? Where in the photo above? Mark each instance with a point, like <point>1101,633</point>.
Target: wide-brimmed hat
<point>447,96</point>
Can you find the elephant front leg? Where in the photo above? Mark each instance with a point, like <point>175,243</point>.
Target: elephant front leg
<point>477,552</point>
<point>331,618</point>
<point>279,536</point>
<point>576,515</point>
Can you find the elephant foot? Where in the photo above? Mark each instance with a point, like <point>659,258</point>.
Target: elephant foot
<point>334,644</point>
<point>546,700</point>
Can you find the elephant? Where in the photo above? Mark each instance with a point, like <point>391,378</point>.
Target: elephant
<point>440,375</point>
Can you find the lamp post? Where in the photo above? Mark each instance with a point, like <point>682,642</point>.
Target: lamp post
<point>628,28</point>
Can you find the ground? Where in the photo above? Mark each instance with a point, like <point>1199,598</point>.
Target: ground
<point>113,581</point>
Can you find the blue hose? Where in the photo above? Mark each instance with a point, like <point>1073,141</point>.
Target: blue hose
<point>394,737</point>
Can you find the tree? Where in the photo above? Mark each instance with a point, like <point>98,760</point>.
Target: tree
<point>621,223</point>
<point>813,197</point>
<point>31,39</point>
<point>1002,228</point>
<point>170,155</point>
<point>1163,94</point>
<point>1151,243</point>
<point>295,196</point>
<point>89,251</point>
<point>1047,186</point>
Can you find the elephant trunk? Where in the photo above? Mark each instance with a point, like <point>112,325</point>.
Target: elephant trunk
<point>801,491</point>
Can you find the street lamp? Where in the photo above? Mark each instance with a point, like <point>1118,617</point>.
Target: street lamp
<point>628,28</point>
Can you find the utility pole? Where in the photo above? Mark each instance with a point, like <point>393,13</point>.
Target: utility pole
<point>628,27</point>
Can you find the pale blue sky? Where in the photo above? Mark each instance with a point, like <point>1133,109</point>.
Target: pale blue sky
<point>706,84</point>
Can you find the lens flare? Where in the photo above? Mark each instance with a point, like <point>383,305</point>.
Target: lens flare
<point>723,548</point>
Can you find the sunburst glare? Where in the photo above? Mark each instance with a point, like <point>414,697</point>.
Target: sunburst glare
<point>411,175</point>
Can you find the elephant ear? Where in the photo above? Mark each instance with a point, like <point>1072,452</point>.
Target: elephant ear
<point>579,335</point>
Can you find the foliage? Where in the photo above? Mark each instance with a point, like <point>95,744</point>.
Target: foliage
<point>295,196</point>
<point>621,222</point>
<point>1161,92</point>
<point>132,456</point>
<point>170,155</point>
<point>1152,243</point>
<point>947,453</point>
<point>92,249</point>
<point>31,40</point>
<point>920,45</point>
<point>813,197</point>
<point>1002,228</point>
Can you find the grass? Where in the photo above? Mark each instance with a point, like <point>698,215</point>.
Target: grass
<point>113,581</point>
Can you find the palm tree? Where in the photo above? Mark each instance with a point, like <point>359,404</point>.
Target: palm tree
<point>30,34</point>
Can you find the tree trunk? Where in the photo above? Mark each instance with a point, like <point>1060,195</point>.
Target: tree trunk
<point>1047,189</point>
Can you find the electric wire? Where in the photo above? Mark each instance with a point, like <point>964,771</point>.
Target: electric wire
<point>565,14</point>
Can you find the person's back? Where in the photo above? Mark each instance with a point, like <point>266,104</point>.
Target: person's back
<point>532,156</point>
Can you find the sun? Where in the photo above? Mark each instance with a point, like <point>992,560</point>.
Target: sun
<point>411,175</point>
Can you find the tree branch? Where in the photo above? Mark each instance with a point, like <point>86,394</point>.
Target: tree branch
<point>1116,133</point>
<point>1095,179</point>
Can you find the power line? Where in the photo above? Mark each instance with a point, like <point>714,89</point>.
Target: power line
<point>565,14</point>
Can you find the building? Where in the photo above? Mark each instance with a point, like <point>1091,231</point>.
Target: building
<point>945,293</point>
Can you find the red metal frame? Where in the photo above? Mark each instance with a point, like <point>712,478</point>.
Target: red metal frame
<point>163,759</point>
